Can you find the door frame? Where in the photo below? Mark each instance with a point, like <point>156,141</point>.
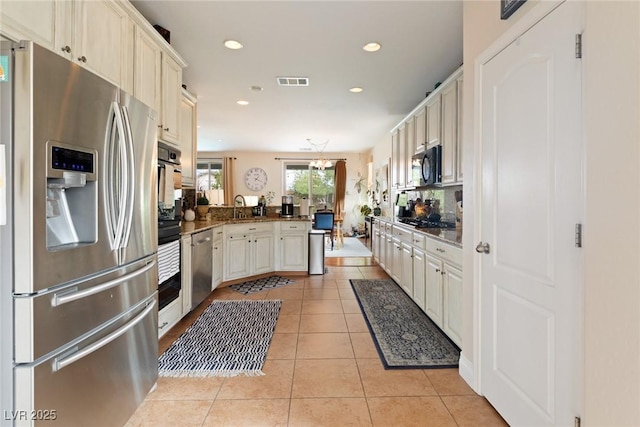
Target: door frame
<point>471,371</point>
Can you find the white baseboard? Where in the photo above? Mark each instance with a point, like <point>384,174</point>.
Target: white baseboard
<point>466,371</point>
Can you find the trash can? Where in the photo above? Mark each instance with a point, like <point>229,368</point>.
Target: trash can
<point>316,252</point>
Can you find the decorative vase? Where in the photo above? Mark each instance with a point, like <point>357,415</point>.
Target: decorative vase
<point>202,212</point>
<point>189,215</point>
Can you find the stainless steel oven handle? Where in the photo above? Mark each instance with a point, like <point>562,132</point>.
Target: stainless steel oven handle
<point>64,297</point>
<point>61,363</point>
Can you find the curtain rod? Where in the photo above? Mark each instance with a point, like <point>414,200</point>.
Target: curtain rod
<point>305,158</point>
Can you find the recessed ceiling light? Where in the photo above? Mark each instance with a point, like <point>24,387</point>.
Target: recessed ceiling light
<point>232,44</point>
<point>241,102</point>
<point>256,88</point>
<point>372,47</point>
<point>356,89</point>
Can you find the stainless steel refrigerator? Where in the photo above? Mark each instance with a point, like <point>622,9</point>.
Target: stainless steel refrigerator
<point>78,241</point>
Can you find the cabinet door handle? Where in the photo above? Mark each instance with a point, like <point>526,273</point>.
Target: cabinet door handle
<point>166,129</point>
<point>66,48</point>
<point>437,270</point>
<point>83,59</point>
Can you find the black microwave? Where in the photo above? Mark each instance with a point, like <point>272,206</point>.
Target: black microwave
<point>426,167</point>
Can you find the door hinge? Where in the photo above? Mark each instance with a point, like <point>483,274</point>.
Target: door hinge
<point>578,235</point>
<point>576,422</point>
<point>578,46</point>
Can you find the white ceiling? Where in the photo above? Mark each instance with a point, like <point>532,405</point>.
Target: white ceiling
<point>322,40</point>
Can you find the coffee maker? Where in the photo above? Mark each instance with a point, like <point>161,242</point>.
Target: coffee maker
<point>286,211</point>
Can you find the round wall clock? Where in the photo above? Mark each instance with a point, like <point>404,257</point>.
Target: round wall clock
<point>255,179</point>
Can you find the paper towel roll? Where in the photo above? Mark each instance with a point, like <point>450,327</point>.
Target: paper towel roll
<point>304,207</point>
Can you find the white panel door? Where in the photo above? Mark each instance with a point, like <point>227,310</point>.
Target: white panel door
<point>531,180</point>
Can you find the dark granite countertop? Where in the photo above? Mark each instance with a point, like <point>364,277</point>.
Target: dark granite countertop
<point>190,227</point>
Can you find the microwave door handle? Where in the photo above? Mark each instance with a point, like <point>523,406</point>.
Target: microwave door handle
<point>129,195</point>
<point>424,178</point>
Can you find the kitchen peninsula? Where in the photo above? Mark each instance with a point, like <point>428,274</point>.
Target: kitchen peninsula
<point>240,248</point>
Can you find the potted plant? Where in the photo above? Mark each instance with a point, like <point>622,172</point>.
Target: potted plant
<point>365,210</point>
<point>202,207</point>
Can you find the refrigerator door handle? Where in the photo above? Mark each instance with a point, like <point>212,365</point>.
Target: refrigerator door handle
<point>130,181</point>
<point>66,360</point>
<point>117,182</point>
<point>67,296</point>
<point>3,186</point>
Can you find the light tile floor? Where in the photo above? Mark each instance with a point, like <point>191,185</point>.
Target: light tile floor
<point>322,369</point>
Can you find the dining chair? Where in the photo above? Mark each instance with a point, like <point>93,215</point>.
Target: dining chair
<point>324,221</point>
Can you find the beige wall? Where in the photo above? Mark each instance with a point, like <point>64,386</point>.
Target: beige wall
<point>612,274</point>
<point>611,250</point>
<point>275,171</point>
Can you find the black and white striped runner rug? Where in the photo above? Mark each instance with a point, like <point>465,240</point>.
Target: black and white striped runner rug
<point>229,338</point>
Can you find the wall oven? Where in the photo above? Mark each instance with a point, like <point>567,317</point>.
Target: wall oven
<point>426,167</point>
<point>169,214</point>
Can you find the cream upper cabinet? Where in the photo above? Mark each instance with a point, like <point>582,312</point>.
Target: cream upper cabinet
<point>410,144</point>
<point>459,169</point>
<point>188,137</point>
<point>102,40</point>
<point>30,20</point>
<point>433,121</point>
<point>96,34</point>
<point>402,156</point>
<point>147,68</point>
<point>395,158</point>
<point>449,132</point>
<point>420,132</point>
<point>171,95</point>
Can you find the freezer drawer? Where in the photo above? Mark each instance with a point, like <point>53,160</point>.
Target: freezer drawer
<point>98,382</point>
<point>48,321</point>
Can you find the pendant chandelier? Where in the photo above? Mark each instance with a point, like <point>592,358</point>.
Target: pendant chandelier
<point>320,163</point>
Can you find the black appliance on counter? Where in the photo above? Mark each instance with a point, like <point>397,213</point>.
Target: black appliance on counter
<point>286,210</point>
<point>404,206</point>
<point>426,167</point>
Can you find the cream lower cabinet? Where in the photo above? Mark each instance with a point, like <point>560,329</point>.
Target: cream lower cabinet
<point>452,302</point>
<point>433,289</point>
<point>294,247</point>
<point>406,266</point>
<point>375,243</point>
<point>444,287</point>
<point>418,268</point>
<point>218,258</point>
<point>248,249</point>
<point>396,261</point>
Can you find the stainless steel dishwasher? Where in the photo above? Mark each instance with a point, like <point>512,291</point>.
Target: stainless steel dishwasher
<point>201,266</point>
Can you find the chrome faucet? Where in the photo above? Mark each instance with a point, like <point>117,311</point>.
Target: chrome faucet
<point>235,204</point>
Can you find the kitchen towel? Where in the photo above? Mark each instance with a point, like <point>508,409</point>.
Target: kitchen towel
<point>166,180</point>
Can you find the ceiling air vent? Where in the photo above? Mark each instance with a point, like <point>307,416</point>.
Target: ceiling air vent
<point>293,81</point>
